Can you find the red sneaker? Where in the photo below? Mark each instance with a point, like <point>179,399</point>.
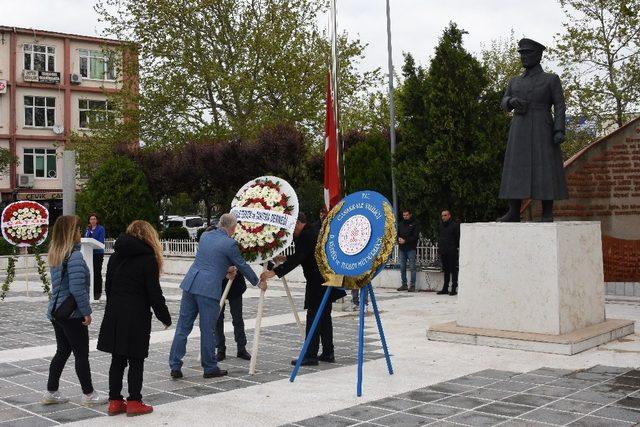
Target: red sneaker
<point>136,407</point>
<point>117,407</point>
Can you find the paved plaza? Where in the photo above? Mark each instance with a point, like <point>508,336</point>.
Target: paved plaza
<point>434,383</point>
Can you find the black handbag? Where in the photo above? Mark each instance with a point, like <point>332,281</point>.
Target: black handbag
<point>69,305</point>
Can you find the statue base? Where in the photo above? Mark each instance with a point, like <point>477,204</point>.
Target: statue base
<point>533,286</point>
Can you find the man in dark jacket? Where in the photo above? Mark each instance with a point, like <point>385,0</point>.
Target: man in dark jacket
<point>407,243</point>
<point>305,237</point>
<point>448,245</point>
<point>234,299</point>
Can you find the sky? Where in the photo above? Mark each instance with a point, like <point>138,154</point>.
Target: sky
<point>416,25</point>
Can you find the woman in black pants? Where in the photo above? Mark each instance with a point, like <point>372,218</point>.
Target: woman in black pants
<point>70,284</point>
<point>132,288</point>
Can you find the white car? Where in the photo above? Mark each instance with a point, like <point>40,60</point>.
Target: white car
<point>191,223</point>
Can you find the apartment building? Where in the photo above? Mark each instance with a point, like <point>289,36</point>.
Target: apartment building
<point>51,84</point>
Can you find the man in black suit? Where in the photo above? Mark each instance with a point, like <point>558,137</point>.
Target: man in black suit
<point>234,300</point>
<point>305,237</point>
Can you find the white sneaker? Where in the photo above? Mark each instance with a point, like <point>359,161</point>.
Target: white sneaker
<point>93,399</point>
<point>51,398</point>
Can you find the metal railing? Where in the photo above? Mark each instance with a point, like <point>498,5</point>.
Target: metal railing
<point>426,256</point>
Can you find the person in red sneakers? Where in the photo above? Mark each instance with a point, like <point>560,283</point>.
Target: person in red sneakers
<point>133,289</point>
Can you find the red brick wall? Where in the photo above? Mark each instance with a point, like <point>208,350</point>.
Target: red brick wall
<point>621,259</point>
<point>604,185</point>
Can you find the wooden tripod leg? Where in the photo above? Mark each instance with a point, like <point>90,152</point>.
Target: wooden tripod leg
<point>293,308</point>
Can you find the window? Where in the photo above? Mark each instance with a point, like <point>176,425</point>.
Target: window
<point>96,64</point>
<point>40,162</point>
<point>39,111</point>
<point>194,222</point>
<point>39,57</point>
<point>93,112</point>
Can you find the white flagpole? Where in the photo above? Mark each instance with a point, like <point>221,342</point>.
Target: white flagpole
<point>392,115</point>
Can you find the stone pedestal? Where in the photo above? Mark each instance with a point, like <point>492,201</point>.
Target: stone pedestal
<point>543,281</point>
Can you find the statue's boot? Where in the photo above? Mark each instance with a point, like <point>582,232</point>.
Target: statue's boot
<point>547,211</point>
<point>513,215</point>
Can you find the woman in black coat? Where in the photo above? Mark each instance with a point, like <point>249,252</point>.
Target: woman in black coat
<point>132,288</point>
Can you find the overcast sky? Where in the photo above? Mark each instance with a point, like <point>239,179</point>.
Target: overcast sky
<point>416,24</point>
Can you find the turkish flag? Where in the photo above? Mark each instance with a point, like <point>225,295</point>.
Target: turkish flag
<point>331,169</point>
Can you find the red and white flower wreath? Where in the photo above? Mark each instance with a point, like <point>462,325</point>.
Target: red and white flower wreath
<point>25,223</point>
<point>265,238</point>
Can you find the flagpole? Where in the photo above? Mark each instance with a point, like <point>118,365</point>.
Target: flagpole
<point>392,115</point>
<point>334,83</point>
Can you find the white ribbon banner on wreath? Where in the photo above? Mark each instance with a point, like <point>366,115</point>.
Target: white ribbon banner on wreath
<point>267,217</point>
<point>25,222</point>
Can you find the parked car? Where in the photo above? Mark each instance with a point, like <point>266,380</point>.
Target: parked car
<point>191,223</point>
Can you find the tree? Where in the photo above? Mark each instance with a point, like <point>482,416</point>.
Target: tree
<point>119,193</point>
<point>501,62</point>
<point>368,163</point>
<point>6,160</point>
<point>599,52</point>
<point>454,136</point>
<point>212,69</point>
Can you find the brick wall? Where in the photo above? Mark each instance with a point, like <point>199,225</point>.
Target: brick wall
<point>604,185</point>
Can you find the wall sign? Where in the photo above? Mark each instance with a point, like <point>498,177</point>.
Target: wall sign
<point>50,77</point>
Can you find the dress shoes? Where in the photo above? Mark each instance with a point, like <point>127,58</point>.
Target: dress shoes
<point>215,374</point>
<point>307,361</point>
<point>221,355</point>
<point>329,358</point>
<point>243,354</point>
<point>176,374</point>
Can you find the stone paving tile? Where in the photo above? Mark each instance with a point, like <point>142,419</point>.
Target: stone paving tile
<point>504,409</point>
<point>576,406</point>
<point>493,373</point>
<point>552,391</point>
<point>590,421</point>
<point>29,422</point>
<point>529,400</point>
<point>22,384</point>
<point>401,419</point>
<point>477,419</point>
<point>617,413</point>
<point>433,410</point>
<point>362,413</point>
<point>588,400</point>
<point>424,395</point>
<point>549,416</point>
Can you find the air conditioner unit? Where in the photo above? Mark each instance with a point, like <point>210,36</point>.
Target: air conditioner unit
<point>25,181</point>
<point>76,79</point>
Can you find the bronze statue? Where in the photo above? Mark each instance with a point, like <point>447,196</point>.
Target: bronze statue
<point>533,166</point>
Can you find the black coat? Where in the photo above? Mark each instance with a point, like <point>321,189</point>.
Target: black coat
<point>305,257</point>
<point>409,231</point>
<point>238,287</point>
<point>132,288</point>
<point>533,166</point>
<point>448,237</point>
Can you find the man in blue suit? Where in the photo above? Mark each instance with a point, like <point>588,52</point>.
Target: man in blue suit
<point>201,293</point>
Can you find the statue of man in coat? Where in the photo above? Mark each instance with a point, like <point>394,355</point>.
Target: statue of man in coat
<point>533,166</point>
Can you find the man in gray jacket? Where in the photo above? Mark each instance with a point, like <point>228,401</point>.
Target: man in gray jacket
<point>201,293</point>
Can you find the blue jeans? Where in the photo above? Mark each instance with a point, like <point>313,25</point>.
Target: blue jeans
<point>409,256</point>
<point>355,297</point>
<point>191,306</point>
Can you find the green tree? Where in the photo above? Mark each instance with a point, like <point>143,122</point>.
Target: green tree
<point>599,52</point>
<point>368,164</point>
<point>501,62</point>
<point>210,69</point>
<point>6,160</point>
<point>119,193</point>
<point>454,136</point>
